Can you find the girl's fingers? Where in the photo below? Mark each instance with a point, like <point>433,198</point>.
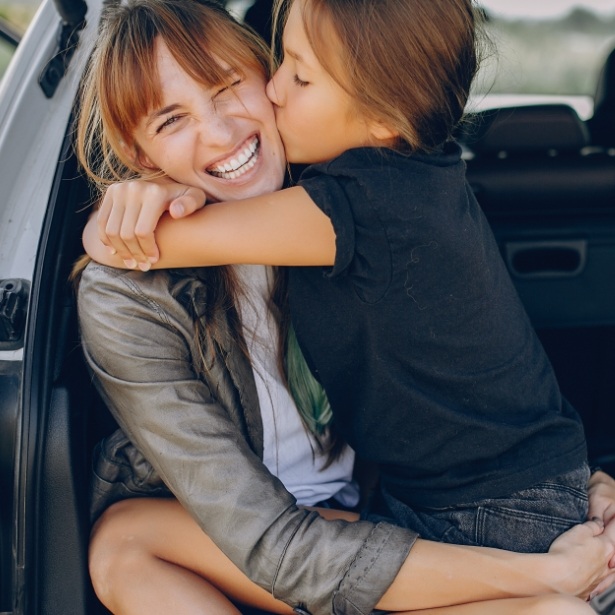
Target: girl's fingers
<point>113,230</point>
<point>130,212</point>
<point>102,218</point>
<point>134,218</point>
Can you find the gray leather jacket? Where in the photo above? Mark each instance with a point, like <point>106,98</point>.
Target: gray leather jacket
<point>204,440</point>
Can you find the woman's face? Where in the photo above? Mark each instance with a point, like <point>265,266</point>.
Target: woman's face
<point>221,139</point>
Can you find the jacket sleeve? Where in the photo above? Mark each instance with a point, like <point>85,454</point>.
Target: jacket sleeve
<point>136,339</point>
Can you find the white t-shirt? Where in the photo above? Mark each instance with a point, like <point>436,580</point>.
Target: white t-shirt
<point>290,451</point>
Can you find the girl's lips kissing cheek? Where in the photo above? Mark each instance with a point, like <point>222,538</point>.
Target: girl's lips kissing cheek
<point>239,163</point>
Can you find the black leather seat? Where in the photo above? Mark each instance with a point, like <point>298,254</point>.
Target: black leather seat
<point>534,161</point>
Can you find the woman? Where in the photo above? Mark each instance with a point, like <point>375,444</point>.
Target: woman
<point>141,350</point>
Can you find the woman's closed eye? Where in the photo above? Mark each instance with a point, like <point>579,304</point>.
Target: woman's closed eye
<point>226,88</point>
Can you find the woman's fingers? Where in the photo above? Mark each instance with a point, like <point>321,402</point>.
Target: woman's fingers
<point>603,585</point>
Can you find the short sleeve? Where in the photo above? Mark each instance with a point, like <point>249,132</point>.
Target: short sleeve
<point>350,191</point>
<point>329,194</point>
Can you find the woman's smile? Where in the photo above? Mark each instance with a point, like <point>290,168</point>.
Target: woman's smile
<point>239,163</point>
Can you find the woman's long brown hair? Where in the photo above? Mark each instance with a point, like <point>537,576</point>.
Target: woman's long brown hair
<point>119,88</point>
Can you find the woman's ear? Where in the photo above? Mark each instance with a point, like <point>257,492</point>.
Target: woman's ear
<point>143,160</point>
<point>133,152</point>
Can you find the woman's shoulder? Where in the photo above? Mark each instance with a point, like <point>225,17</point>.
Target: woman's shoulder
<point>152,294</point>
<point>100,279</point>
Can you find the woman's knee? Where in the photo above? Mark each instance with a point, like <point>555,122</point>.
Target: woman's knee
<point>118,545</point>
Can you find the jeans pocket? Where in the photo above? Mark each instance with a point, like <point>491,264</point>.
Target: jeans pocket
<point>530,525</point>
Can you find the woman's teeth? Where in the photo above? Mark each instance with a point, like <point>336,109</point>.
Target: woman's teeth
<point>239,164</point>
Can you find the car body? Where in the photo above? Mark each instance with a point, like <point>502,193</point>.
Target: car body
<point>559,243</point>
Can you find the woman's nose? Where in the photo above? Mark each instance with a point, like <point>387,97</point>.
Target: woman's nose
<point>216,130</point>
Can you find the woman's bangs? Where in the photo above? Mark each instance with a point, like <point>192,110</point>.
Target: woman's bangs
<point>132,87</point>
<point>210,60</point>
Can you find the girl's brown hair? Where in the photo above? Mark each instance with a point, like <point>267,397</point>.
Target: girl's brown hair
<point>408,64</point>
<point>118,89</point>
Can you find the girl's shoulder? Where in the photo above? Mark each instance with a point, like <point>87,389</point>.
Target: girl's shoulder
<point>360,161</point>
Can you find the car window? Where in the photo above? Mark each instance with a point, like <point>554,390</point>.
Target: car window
<point>552,48</point>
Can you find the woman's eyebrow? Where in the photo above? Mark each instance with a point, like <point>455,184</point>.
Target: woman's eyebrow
<point>159,113</point>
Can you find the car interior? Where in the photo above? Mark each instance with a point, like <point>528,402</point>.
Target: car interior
<point>546,181</point>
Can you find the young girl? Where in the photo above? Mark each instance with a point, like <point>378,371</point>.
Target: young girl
<point>178,116</point>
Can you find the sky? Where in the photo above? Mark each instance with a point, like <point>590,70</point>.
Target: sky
<point>545,8</point>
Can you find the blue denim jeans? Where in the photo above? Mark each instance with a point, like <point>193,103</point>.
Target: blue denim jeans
<point>525,521</point>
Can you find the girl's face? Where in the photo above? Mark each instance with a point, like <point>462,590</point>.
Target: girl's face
<point>314,113</point>
<point>221,139</point>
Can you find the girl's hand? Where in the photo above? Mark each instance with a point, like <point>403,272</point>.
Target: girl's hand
<point>584,555</point>
<point>130,211</point>
<point>601,491</point>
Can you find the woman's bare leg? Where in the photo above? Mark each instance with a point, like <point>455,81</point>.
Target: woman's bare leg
<point>552,604</point>
<point>149,556</point>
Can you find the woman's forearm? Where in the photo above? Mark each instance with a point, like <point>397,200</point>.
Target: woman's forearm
<point>436,574</point>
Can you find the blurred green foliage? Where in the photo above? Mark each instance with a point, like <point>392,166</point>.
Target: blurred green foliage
<point>6,53</point>
<point>18,13</point>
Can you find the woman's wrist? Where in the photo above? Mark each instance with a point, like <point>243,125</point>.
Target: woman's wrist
<point>554,572</point>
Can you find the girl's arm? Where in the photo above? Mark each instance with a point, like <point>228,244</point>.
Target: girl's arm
<point>281,228</point>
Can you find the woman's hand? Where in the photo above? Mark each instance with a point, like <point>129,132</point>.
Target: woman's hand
<point>601,491</point>
<point>129,214</point>
<point>584,556</point>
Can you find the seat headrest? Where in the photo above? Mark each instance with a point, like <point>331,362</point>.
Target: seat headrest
<point>532,128</point>
<point>602,124</point>
<point>605,90</point>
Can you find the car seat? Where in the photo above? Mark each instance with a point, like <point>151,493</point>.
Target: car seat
<point>602,124</point>
<point>550,199</point>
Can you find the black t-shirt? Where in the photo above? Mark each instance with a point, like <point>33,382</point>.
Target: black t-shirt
<point>417,334</point>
